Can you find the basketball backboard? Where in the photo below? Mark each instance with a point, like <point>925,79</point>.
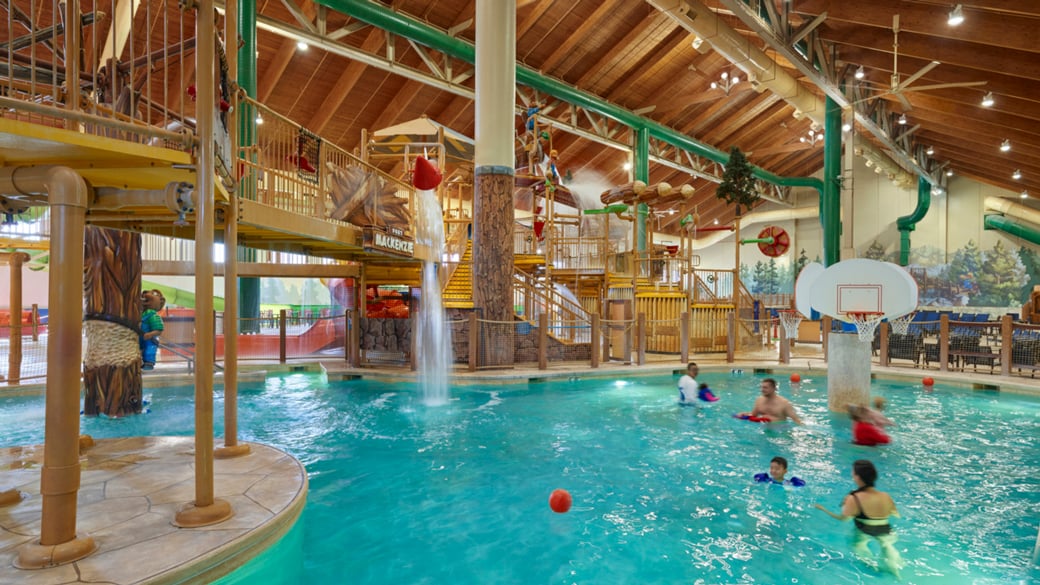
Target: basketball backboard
<point>861,285</point>
<point>803,287</point>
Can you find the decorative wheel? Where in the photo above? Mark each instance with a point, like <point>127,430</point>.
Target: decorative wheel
<point>781,241</point>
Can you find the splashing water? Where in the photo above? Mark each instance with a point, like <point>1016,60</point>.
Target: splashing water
<point>433,336</point>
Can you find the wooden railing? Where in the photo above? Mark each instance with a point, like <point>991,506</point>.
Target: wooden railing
<point>287,167</point>
<point>454,251</point>
<point>579,253</point>
<point>568,321</point>
<point>712,287</point>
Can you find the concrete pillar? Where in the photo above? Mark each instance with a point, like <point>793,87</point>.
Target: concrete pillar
<point>848,371</point>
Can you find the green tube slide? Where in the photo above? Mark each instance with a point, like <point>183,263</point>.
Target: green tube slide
<point>907,223</point>
<point>616,208</point>
<point>1013,228</point>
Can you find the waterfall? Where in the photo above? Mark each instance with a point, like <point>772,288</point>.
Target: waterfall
<point>433,336</point>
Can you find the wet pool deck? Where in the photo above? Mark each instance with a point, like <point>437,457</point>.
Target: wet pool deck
<point>131,488</point>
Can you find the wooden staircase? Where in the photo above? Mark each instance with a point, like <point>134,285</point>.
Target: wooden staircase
<point>458,291</point>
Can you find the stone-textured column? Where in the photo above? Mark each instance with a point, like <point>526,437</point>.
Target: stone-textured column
<point>493,206</point>
<point>848,371</point>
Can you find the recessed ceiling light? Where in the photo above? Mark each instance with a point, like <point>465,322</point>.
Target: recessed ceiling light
<point>1016,175</point>
<point>902,119</point>
<point>302,46</point>
<point>987,100</point>
<point>1005,146</point>
<point>716,222</point>
<point>860,73</point>
<point>1024,194</point>
<point>627,166</point>
<point>956,16</point>
<point>949,172</point>
<point>930,151</point>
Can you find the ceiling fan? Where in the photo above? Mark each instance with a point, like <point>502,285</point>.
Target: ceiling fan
<point>899,87</point>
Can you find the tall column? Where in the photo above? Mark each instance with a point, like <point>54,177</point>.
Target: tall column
<point>14,356</point>
<point>231,447</point>
<point>830,207</point>
<point>847,188</point>
<point>493,206</point>
<point>641,168</point>
<point>249,288</point>
<point>204,509</point>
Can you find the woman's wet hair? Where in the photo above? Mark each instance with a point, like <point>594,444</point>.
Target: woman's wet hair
<point>866,471</point>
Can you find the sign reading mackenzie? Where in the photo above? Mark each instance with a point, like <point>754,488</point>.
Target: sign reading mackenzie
<point>377,241</point>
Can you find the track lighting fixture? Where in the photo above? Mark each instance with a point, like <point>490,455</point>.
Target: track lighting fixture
<point>902,120</point>
<point>930,151</point>
<point>1016,175</point>
<point>1005,146</point>
<point>1024,194</point>
<point>956,16</point>
<point>987,100</point>
<point>860,73</point>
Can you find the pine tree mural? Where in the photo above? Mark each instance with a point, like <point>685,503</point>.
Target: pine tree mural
<point>1000,278</point>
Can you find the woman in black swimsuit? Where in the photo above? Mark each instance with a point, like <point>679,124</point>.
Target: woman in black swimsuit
<point>870,509</point>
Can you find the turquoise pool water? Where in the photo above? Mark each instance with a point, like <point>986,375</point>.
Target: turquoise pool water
<point>405,494</point>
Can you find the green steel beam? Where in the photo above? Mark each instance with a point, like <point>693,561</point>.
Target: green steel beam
<point>248,288</point>
<point>641,168</point>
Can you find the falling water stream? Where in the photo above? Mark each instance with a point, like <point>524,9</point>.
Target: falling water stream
<point>433,336</point>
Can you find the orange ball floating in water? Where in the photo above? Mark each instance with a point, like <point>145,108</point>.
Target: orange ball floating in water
<point>560,501</point>
<point>928,381</point>
<point>795,378</point>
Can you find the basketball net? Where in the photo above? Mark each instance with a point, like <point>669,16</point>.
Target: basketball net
<point>865,323</point>
<point>901,325</point>
<point>790,320</point>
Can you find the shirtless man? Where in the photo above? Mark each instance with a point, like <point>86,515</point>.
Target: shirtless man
<point>771,405</point>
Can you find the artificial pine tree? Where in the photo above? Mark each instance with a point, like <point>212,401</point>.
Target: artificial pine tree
<point>738,184</point>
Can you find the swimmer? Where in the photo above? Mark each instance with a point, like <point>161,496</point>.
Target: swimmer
<point>705,394</point>
<point>870,510</point>
<point>777,471</point>
<point>771,406</point>
<point>864,432</point>
<point>688,385</point>
<point>874,415</point>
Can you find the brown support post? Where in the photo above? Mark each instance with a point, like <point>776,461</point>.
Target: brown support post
<point>14,357</point>
<point>414,345</point>
<point>731,336</point>
<point>684,337</point>
<point>884,333</point>
<point>281,336</point>
<point>205,509</point>
<point>1006,339</point>
<point>231,447</point>
<point>60,476</point>
<point>493,256</point>
<point>785,346</point>
<point>944,342</point>
<point>825,335</point>
<point>35,322</point>
<point>641,339</point>
<point>543,341</point>
<point>346,337</point>
<point>355,338</point>
<point>474,341</point>
<point>595,342</point>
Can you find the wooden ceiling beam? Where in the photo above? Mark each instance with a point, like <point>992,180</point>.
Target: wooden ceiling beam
<point>566,48</point>
<point>536,13</point>
<point>656,24</point>
<point>986,136</point>
<point>996,28</point>
<point>332,101</point>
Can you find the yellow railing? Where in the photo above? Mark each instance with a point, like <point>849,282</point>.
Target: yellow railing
<point>454,252</point>
<point>579,253</point>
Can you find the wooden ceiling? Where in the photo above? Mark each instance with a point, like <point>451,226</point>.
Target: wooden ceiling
<point>631,54</point>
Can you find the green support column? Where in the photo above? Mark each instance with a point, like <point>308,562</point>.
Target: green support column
<point>830,205</point>
<point>641,166</point>
<point>907,223</point>
<point>248,288</point>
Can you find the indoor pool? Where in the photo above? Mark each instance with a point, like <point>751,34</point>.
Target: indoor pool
<point>405,494</point>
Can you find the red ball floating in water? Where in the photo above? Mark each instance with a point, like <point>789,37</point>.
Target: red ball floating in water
<point>928,381</point>
<point>560,501</point>
<point>795,378</point>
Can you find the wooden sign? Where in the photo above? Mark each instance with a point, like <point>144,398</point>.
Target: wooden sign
<point>376,240</point>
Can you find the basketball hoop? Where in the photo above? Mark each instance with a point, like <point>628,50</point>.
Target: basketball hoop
<point>790,319</point>
<point>901,325</point>
<point>865,324</point>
